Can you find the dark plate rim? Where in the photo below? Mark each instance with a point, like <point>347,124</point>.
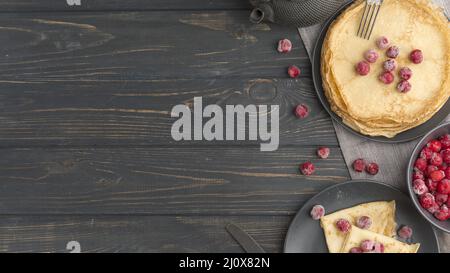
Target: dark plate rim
<point>317,80</point>
<point>409,170</point>
<point>297,215</point>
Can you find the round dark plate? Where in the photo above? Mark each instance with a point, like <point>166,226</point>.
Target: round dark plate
<point>437,132</point>
<point>409,135</point>
<point>306,236</point>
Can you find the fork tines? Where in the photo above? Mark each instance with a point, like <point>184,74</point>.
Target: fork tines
<point>369,17</point>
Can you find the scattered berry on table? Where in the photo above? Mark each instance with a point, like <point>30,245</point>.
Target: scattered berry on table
<point>301,111</point>
<point>405,232</point>
<point>317,212</point>
<point>294,71</point>
<point>390,65</point>
<point>405,73</point>
<point>393,52</point>
<point>364,222</point>
<point>323,152</point>
<point>307,168</point>
<point>284,46</point>
<point>386,77</point>
<point>416,56</point>
<point>363,68</point>
<point>371,56</point>
<point>359,165</point>
<point>383,42</point>
<point>343,225</point>
<point>372,168</point>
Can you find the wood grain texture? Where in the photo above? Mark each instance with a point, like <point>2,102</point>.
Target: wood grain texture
<point>120,5</point>
<point>139,114</point>
<point>166,180</point>
<point>137,233</point>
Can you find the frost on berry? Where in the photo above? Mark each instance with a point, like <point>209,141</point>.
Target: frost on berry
<point>294,71</point>
<point>284,46</point>
<point>323,152</point>
<point>343,225</point>
<point>364,222</point>
<point>301,111</point>
<point>372,168</point>
<point>405,232</point>
<point>307,168</point>
<point>359,165</point>
<point>317,212</point>
<point>363,68</point>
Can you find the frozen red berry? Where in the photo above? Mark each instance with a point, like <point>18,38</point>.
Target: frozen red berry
<point>418,175</point>
<point>436,160</point>
<point>445,141</point>
<point>441,199</point>
<point>343,225</point>
<point>447,172</point>
<point>356,250</point>
<point>404,86</point>
<point>435,145</point>
<point>443,167</point>
<point>378,248</point>
<point>431,185</point>
<point>294,71</point>
<point>386,77</point>
<point>317,212</point>
<point>307,168</point>
<point>383,42</point>
<point>363,68</point>
<point>393,52</point>
<point>443,186</point>
<point>426,153</point>
<point>437,176</point>
<point>323,152</point>
<point>405,232</point>
<point>284,46</point>
<point>364,222</point>
<point>419,187</point>
<point>443,213</point>
<point>372,168</point>
<point>420,164</point>
<point>405,73</point>
<point>434,208</point>
<point>367,245</point>
<point>446,156</point>
<point>390,65</point>
<point>359,165</point>
<point>427,200</point>
<point>416,56</point>
<point>371,56</point>
<point>301,111</point>
<point>430,169</point>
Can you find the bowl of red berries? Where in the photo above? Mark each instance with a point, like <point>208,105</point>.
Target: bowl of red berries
<point>429,177</point>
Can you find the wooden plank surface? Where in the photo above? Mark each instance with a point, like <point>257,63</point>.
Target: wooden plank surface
<point>166,180</point>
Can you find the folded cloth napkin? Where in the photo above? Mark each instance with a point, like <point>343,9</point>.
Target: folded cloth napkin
<point>392,158</point>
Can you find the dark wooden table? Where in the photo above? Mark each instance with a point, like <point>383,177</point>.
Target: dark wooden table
<point>86,151</point>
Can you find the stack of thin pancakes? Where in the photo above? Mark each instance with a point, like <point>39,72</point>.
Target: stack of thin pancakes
<point>365,103</point>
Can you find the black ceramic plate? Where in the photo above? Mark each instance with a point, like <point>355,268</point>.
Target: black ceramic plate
<point>402,137</point>
<point>306,236</point>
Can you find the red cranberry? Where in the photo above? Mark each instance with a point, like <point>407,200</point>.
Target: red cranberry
<point>372,169</point>
<point>426,153</point>
<point>343,225</point>
<point>356,250</point>
<point>317,212</point>
<point>363,68</point>
<point>294,71</point>
<point>405,73</point>
<point>416,56</point>
<point>419,187</point>
<point>420,164</point>
<point>301,111</point>
<point>435,145</point>
<point>371,56</point>
<point>390,65</point>
<point>405,232</point>
<point>367,245</point>
<point>437,176</point>
<point>383,42</point>
<point>404,86</point>
<point>364,222</point>
<point>386,77</point>
<point>323,152</point>
<point>307,168</point>
<point>393,52</point>
<point>436,160</point>
<point>284,46</point>
<point>442,214</point>
<point>378,248</point>
<point>443,186</point>
<point>445,141</point>
<point>418,175</point>
<point>427,200</point>
<point>441,199</point>
<point>359,165</point>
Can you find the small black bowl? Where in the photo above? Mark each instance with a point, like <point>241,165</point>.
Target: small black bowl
<point>435,133</point>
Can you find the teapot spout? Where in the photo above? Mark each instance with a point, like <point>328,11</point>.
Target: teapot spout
<point>261,13</point>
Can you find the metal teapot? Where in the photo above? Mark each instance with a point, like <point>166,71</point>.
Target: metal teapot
<point>299,13</point>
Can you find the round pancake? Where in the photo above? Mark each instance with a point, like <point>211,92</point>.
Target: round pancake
<point>366,104</point>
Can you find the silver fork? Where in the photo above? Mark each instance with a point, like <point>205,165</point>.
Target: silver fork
<point>369,17</point>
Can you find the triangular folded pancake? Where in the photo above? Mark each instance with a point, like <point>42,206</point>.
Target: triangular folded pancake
<point>383,222</point>
<point>391,245</point>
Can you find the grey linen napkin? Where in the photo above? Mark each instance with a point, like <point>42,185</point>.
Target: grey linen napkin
<point>392,158</point>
